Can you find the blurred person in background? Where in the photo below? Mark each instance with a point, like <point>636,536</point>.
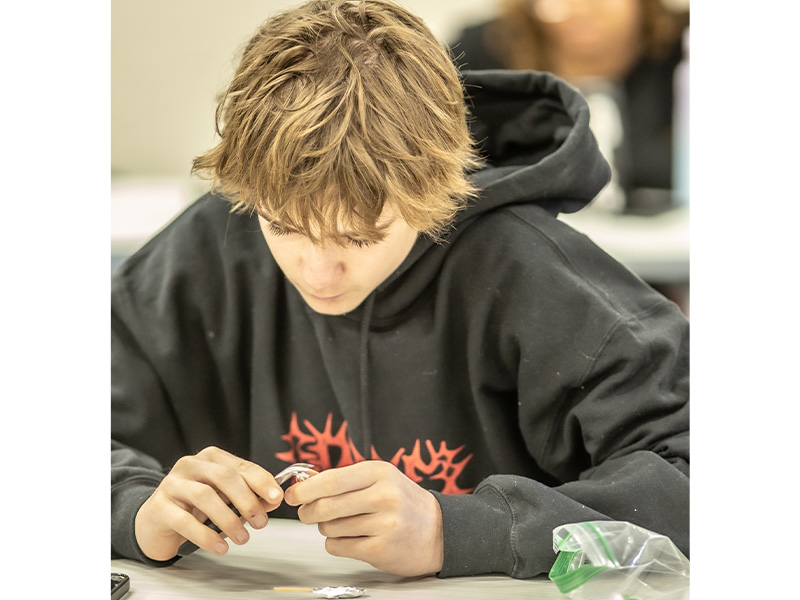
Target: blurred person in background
<point>622,55</point>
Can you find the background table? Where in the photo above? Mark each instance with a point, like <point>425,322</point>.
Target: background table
<point>654,247</point>
<point>287,553</point>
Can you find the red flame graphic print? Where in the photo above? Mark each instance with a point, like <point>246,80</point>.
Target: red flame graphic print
<point>327,449</point>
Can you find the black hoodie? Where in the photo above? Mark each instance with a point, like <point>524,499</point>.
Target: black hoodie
<point>516,370</point>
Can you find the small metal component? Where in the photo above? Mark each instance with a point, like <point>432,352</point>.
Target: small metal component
<point>342,591</point>
<point>297,470</point>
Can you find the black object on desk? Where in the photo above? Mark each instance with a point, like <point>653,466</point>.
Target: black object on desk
<point>120,584</point>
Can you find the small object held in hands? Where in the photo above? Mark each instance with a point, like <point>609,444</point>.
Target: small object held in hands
<point>342,591</point>
<point>298,470</point>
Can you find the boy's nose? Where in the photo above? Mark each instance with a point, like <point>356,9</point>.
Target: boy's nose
<point>323,267</point>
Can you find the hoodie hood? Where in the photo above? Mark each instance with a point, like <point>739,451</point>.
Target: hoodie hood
<point>533,132</point>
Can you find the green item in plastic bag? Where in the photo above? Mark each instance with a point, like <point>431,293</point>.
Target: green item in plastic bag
<point>616,560</point>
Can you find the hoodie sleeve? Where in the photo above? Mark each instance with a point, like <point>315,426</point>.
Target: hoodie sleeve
<point>134,474</point>
<point>151,321</point>
<point>134,477</point>
<point>638,446</point>
<point>603,407</point>
<point>179,369</point>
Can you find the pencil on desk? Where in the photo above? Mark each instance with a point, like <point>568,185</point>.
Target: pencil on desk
<point>292,589</point>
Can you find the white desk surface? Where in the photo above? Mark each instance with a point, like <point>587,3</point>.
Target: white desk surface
<point>140,207</point>
<point>654,247</point>
<point>287,553</point>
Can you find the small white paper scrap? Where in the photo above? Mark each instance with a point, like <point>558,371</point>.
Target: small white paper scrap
<point>343,591</point>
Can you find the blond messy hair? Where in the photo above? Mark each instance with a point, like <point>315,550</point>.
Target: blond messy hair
<point>337,109</point>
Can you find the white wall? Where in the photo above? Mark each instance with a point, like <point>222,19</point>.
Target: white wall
<point>169,59</point>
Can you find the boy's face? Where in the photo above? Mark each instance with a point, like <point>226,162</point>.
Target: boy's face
<point>588,27</point>
<point>335,279</point>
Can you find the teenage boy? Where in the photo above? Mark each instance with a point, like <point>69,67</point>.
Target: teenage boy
<point>364,293</point>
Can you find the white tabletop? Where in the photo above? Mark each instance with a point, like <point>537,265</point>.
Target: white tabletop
<point>289,554</point>
<point>654,247</point>
<point>140,207</point>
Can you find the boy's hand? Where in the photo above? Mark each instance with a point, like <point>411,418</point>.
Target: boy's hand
<point>200,487</point>
<point>372,512</point>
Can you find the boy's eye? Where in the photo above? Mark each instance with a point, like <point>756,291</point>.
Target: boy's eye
<point>276,229</point>
<point>358,243</point>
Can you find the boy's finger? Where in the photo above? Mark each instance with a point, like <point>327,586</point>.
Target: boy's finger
<point>333,482</point>
<point>258,479</point>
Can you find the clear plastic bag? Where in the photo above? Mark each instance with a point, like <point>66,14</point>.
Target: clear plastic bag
<point>616,560</point>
